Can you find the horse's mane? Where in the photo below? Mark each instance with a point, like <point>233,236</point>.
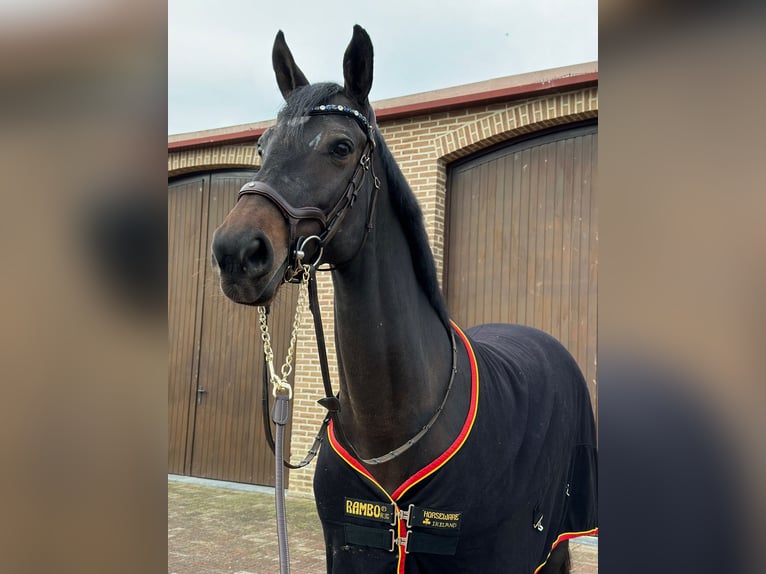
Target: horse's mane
<point>403,200</point>
<point>410,215</point>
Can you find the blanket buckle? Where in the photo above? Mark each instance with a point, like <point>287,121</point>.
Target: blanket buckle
<point>400,541</point>
<point>403,514</point>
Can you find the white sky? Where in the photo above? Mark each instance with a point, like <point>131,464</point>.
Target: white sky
<point>219,51</point>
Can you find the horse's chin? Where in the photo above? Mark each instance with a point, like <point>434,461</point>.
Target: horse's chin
<point>253,293</point>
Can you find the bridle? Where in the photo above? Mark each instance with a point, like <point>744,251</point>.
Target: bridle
<point>301,271</point>
<point>329,222</point>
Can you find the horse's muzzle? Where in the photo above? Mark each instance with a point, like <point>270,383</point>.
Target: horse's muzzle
<point>242,254</point>
<point>246,263</point>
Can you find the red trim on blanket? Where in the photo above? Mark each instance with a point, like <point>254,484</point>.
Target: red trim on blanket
<point>464,432</point>
<point>438,462</point>
<point>351,461</point>
<point>402,528</point>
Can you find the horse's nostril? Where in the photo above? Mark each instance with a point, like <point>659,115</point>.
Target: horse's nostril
<point>237,254</point>
<point>256,257</point>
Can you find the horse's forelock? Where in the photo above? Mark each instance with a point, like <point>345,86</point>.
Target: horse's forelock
<point>301,101</point>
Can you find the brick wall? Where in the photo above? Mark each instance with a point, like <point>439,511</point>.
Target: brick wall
<point>423,145</point>
<point>212,158</point>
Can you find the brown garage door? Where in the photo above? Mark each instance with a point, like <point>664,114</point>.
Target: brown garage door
<point>522,240</point>
<point>215,428</point>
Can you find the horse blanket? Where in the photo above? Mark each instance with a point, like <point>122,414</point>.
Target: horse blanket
<point>519,478</point>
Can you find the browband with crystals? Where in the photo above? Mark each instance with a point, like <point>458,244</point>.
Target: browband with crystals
<point>364,123</point>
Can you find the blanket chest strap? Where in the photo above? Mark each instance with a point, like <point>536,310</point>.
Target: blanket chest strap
<point>418,542</point>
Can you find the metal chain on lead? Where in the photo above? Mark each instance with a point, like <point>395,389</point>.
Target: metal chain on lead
<point>280,384</point>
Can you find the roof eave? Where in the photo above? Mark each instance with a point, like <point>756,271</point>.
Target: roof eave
<point>482,93</point>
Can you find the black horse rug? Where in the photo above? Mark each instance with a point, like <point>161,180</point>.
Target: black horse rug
<point>518,479</point>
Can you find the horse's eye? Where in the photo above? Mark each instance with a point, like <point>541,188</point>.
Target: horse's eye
<point>259,149</point>
<point>342,149</point>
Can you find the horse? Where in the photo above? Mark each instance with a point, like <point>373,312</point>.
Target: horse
<point>448,450</point>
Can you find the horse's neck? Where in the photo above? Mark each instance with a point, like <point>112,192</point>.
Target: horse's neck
<point>394,351</point>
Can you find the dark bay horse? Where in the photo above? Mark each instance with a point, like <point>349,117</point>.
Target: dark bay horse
<point>451,451</point>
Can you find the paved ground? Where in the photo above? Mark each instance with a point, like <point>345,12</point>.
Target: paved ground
<point>223,528</point>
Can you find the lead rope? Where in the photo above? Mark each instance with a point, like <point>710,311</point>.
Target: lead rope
<point>282,392</point>
<point>280,416</point>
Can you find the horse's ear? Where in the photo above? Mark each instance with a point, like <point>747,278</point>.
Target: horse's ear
<point>357,65</point>
<point>289,75</point>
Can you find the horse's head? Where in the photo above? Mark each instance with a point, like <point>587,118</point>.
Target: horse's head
<point>315,160</point>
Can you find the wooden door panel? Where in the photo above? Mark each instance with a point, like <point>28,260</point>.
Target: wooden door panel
<point>186,199</point>
<point>522,240</point>
<point>229,443</point>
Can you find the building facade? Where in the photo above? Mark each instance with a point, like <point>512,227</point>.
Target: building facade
<point>505,172</point>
